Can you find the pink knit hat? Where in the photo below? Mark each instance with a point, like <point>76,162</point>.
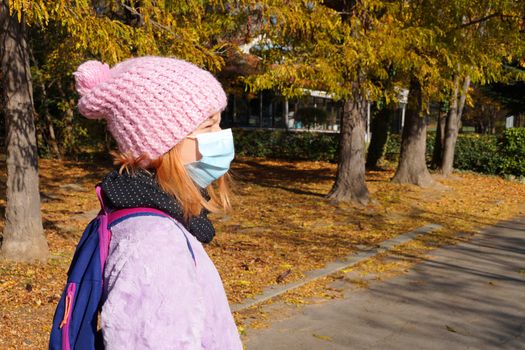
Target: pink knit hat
<point>150,103</point>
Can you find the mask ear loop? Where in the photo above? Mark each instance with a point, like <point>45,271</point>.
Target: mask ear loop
<point>194,137</point>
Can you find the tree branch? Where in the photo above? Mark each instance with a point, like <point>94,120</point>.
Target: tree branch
<point>158,25</point>
<point>479,20</point>
<point>486,18</point>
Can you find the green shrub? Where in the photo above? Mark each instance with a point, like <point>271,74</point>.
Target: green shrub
<point>512,150</point>
<point>392,147</point>
<point>479,153</point>
<point>286,144</point>
<point>473,152</point>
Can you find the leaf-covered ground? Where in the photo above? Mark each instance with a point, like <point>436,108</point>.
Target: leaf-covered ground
<point>282,226</point>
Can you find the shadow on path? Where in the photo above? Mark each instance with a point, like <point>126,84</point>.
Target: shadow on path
<point>466,296</point>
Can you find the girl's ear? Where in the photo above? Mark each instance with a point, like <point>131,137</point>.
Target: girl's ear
<point>189,150</point>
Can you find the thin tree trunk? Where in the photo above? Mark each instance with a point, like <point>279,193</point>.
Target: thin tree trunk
<point>437,154</point>
<point>493,118</point>
<point>107,141</point>
<point>49,123</point>
<point>463,99</point>
<point>41,137</point>
<point>451,132</point>
<point>69,142</point>
<point>350,183</point>
<point>412,167</point>
<point>457,103</point>
<point>47,116</point>
<point>72,142</point>
<point>52,138</point>
<point>23,236</point>
<point>379,129</point>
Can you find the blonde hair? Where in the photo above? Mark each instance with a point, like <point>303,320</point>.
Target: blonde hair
<point>172,177</point>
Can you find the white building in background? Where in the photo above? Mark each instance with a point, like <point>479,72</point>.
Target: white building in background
<point>269,109</point>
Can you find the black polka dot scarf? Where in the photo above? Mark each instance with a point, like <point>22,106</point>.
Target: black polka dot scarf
<point>142,190</point>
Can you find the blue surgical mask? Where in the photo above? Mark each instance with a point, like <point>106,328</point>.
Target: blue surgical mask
<point>217,153</point>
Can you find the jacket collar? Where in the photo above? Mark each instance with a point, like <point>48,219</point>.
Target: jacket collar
<point>142,190</point>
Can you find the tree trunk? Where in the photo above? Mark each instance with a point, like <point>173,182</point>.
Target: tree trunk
<point>49,123</point>
<point>350,183</point>
<point>48,120</point>
<point>451,132</point>
<point>107,141</point>
<point>52,138</point>
<point>23,236</point>
<point>463,99</point>
<point>493,118</point>
<point>457,103</point>
<point>437,154</point>
<point>412,167</point>
<point>69,141</point>
<point>379,129</point>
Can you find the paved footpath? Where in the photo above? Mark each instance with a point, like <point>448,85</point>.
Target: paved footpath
<point>467,296</point>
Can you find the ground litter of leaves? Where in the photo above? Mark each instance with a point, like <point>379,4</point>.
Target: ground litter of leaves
<point>282,226</point>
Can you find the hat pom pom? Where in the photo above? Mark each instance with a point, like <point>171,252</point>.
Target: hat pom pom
<point>89,74</point>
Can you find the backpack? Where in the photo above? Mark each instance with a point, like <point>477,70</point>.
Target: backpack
<point>76,315</point>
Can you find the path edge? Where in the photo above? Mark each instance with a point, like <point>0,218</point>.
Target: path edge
<point>333,267</point>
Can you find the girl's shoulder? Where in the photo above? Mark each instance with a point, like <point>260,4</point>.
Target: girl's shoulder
<point>147,226</point>
<point>152,234</point>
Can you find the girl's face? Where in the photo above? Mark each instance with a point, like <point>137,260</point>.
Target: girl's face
<point>189,150</point>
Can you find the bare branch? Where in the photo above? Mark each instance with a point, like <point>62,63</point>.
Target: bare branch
<point>488,17</point>
<point>158,25</point>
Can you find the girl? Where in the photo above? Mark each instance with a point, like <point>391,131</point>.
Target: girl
<point>161,290</point>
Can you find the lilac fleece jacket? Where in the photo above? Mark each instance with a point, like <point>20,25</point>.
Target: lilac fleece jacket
<point>156,297</point>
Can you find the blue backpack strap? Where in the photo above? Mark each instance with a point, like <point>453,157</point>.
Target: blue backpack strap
<point>75,319</point>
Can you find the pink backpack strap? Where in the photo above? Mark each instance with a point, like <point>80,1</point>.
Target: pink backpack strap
<point>101,200</point>
<point>117,214</point>
<point>104,234</point>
